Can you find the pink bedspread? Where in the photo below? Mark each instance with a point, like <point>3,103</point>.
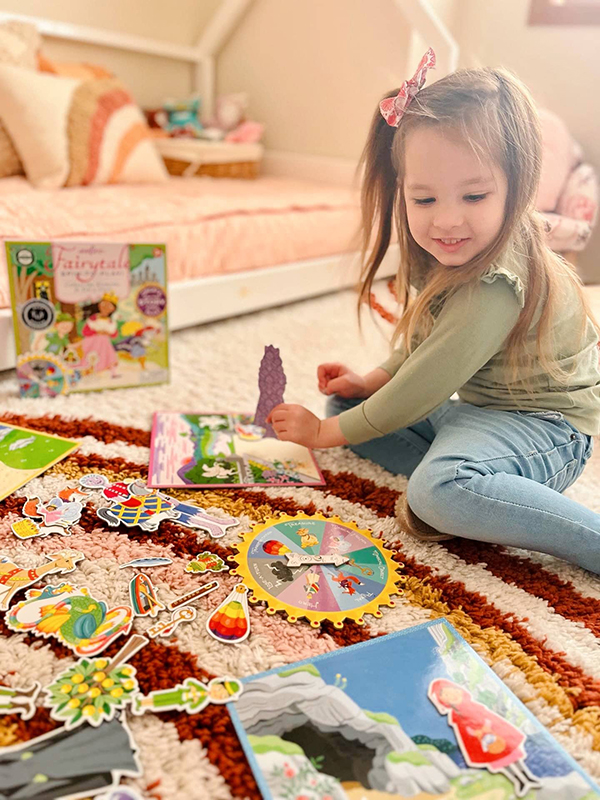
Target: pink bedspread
<point>210,226</point>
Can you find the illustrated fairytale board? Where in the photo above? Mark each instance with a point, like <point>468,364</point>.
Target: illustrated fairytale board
<point>208,450</point>
<point>88,316</point>
<point>25,454</point>
<point>412,714</point>
<point>318,568</point>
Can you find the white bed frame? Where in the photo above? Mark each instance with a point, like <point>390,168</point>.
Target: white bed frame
<point>216,297</point>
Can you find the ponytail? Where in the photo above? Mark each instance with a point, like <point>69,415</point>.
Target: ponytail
<point>378,199</point>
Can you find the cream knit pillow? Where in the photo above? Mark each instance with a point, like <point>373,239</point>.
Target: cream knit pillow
<point>19,43</point>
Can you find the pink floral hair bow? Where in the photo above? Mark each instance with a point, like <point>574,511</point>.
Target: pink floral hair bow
<point>393,108</point>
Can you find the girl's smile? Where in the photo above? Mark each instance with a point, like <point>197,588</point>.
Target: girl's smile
<point>451,245</point>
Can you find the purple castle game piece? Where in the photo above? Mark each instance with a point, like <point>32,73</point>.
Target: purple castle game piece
<point>271,384</point>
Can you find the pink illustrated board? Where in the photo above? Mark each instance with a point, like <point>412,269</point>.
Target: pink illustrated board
<point>200,451</point>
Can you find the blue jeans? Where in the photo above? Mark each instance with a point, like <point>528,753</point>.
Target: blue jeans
<point>494,476</point>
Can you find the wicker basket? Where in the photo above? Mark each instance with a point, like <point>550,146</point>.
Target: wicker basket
<point>191,157</point>
<point>234,169</point>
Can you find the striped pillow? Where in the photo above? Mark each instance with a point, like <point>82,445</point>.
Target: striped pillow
<point>75,132</point>
<point>109,140</point>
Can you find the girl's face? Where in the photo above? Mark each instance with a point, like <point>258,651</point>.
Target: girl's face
<point>64,327</point>
<point>105,307</point>
<point>454,202</point>
<point>450,696</point>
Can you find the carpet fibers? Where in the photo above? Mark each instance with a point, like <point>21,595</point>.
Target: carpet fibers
<point>534,619</point>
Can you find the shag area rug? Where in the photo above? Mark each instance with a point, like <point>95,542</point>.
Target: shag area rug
<point>535,620</point>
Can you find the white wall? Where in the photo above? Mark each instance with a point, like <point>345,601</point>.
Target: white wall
<point>150,79</point>
<point>316,69</point>
<point>560,64</point>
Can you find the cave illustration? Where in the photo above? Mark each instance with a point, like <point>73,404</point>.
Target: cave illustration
<point>343,759</point>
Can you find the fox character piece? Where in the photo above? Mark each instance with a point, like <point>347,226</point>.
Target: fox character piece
<point>56,512</point>
<point>347,582</point>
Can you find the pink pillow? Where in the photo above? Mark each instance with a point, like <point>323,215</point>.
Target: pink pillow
<point>559,157</point>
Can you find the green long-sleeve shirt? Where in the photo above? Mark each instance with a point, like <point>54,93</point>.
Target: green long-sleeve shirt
<point>464,353</point>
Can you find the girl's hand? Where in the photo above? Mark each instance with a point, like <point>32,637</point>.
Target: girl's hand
<point>336,378</point>
<point>294,423</point>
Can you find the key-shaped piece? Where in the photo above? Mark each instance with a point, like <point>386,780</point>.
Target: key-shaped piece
<point>166,628</point>
<point>299,559</point>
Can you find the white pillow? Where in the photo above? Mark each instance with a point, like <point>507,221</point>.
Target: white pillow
<point>34,108</point>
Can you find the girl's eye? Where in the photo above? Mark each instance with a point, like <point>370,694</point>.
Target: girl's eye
<point>474,198</point>
<point>424,201</point>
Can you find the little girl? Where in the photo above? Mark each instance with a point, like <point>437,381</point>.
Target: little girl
<point>496,316</point>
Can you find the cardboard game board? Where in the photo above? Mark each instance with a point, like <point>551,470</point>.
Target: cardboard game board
<point>208,450</point>
<point>411,714</point>
<point>88,316</point>
<point>25,454</point>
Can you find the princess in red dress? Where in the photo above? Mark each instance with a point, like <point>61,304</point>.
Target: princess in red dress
<point>485,739</point>
<point>98,332</point>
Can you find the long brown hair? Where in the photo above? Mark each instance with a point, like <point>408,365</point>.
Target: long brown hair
<point>492,111</point>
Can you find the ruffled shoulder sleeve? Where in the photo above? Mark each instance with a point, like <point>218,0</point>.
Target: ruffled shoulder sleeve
<point>510,270</point>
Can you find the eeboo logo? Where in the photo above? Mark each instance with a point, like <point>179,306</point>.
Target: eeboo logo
<point>24,257</point>
<point>37,314</point>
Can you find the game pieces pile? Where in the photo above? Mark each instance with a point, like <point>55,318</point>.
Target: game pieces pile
<point>90,699</point>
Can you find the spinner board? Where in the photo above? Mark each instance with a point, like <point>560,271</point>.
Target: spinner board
<point>360,575</point>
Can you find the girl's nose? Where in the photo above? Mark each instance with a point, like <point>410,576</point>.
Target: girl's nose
<point>447,217</point>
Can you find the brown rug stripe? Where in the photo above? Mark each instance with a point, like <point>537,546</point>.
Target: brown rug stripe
<point>77,428</point>
<point>584,690</point>
<point>532,578</point>
<point>379,499</point>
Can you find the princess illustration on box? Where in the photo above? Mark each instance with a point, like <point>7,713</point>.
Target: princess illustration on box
<point>99,329</point>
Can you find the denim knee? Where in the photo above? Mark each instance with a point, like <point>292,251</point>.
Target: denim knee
<point>431,494</point>
<point>336,404</point>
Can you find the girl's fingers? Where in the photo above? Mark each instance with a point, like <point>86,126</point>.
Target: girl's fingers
<point>336,385</point>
